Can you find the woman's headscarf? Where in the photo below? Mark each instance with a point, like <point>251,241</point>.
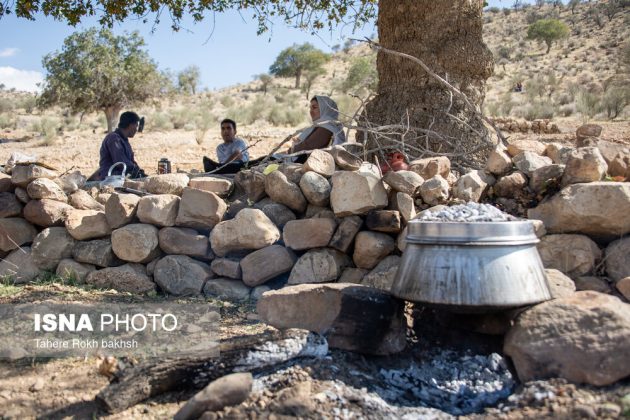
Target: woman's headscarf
<point>328,119</point>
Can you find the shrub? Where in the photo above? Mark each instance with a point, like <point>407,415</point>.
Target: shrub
<point>180,117</point>
<point>159,122</point>
<point>534,111</point>
<point>587,104</point>
<point>567,110</point>
<point>46,128</point>
<point>285,115</point>
<point>6,105</point>
<point>615,100</point>
<point>6,121</point>
<point>227,101</point>
<point>504,52</point>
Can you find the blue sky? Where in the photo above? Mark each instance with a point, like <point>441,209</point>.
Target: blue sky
<point>227,54</point>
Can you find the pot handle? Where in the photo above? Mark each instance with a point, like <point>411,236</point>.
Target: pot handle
<point>109,173</point>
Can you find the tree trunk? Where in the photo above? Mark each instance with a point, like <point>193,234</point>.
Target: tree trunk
<point>298,75</point>
<point>111,115</point>
<point>446,36</point>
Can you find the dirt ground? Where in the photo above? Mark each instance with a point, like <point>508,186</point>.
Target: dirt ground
<point>340,386</point>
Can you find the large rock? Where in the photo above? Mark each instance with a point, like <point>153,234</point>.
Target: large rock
<point>406,182</point>
<point>227,289</point>
<point>308,233</point>
<point>499,162</point>
<point>22,175</point>
<point>129,278</point>
<point>559,284</point>
<point>618,259</point>
<point>319,266</point>
<point>353,317</point>
<point>293,171</point>
<point>87,224</point>
<point>356,193</point>
<point>510,185</point>
<point>344,159</point>
<point>226,391</point>
<point>227,267</point>
<point>185,241</point>
<point>471,186</point>
<point>382,276</point>
<point>545,176</point>
<point>265,264</point>
<point>345,233</point>
<point>585,164</point>
<point>430,167</point>
<point>623,286</point>
<point>97,252</point>
<point>219,186</point>
<point>15,232</point>
<point>516,147</point>
<point>166,184</point>
<point>370,248</point>
<point>22,195</point>
<point>383,221</point>
<point>596,284</point>
<point>120,209</point>
<point>46,188</point>
<point>403,203</point>
<point>200,209</point>
<point>617,157</point>
<point>83,201</point>
<point>283,191</point>
<point>588,130</point>
<point>574,255</point>
<point>137,243</point>
<point>584,338</point>
<point>253,183</point>
<point>597,209</point>
<point>159,210</point>
<point>50,246</point>
<point>5,183</point>
<point>250,229</point>
<point>46,212</point>
<point>180,275</point>
<point>315,188</point>
<point>434,190</point>
<point>558,153</point>
<point>279,214</point>
<point>528,162</point>
<point>19,267</point>
<point>70,269</point>
<point>320,162</point>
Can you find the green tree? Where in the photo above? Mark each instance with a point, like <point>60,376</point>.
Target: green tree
<point>188,79</point>
<point>361,75</point>
<point>547,30</point>
<point>265,81</point>
<point>309,79</point>
<point>293,61</point>
<point>98,71</point>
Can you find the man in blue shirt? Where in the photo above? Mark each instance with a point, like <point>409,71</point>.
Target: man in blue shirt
<point>232,151</point>
<point>116,148</point>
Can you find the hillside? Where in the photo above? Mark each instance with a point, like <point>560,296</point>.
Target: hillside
<point>568,85</point>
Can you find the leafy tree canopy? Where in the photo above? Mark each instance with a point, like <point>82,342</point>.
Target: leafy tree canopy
<point>548,30</point>
<point>306,14</point>
<point>296,59</point>
<point>362,74</point>
<point>188,79</point>
<point>98,71</point>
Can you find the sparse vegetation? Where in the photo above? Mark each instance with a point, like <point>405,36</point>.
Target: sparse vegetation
<point>548,31</point>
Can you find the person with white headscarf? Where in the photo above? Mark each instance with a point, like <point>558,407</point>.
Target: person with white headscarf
<point>326,129</point>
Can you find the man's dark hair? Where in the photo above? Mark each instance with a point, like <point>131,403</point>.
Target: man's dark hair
<point>229,121</point>
<point>128,118</point>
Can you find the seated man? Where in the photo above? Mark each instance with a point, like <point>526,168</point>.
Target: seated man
<point>233,151</point>
<point>116,148</point>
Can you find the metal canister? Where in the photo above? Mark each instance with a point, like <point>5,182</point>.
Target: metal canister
<point>164,166</point>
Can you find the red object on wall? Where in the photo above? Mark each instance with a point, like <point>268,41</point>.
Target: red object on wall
<point>396,161</point>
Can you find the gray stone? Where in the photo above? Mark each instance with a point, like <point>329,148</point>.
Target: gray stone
<point>434,190</point>
<point>22,195</point>
<point>574,255</point>
<point>499,162</point>
<point>19,267</point>
<point>180,275</point>
<point>344,159</point>
<point>559,284</point>
<point>316,189</point>
<point>356,193</point>
<point>219,186</point>
<point>87,224</point>
<point>250,229</point>
<point>403,203</point>
<point>15,232</point>
<point>406,182</point>
<point>50,246</point>
<point>22,175</point>
<point>137,242</point>
<point>430,167</point>
<point>585,164</point>
<point>544,176</point>
<point>588,130</point>
<point>352,275</point>
<point>46,188</point>
<point>226,267</point>
<point>345,233</point>
<point>527,162</point>
<point>510,185</point>
<point>166,184</point>
<point>321,162</point>
<point>129,278</point>
<point>382,276</point>
<point>226,391</point>
<point>70,269</point>
<point>185,241</point>
<point>558,153</point>
<point>98,252</point>
<point>471,186</point>
<point>383,221</point>
<point>516,147</point>
<point>293,171</point>
<point>200,209</point>
<point>120,209</point>
<point>10,206</point>
<point>83,201</point>
<point>308,233</point>
<point>283,191</point>
<point>253,183</point>
<point>370,248</point>
<point>46,213</point>
<point>258,291</point>
<point>5,183</point>
<point>279,214</point>
<point>319,266</point>
<point>265,264</point>
<point>618,259</point>
<point>159,210</point>
<point>226,289</point>
<point>596,284</point>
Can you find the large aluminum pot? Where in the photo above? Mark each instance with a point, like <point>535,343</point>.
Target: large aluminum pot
<point>471,267</point>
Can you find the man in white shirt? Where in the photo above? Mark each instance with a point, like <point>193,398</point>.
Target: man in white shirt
<point>233,151</point>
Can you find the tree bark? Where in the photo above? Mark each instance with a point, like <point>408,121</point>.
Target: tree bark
<point>446,36</point>
<point>111,115</point>
<point>298,75</point>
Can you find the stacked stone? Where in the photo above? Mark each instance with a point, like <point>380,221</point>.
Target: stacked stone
<point>539,126</point>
